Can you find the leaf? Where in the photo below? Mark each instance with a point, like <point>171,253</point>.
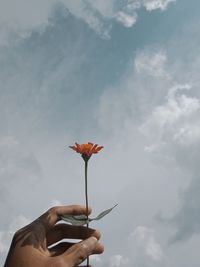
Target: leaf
<point>75,220</point>
<point>103,213</point>
<point>82,219</point>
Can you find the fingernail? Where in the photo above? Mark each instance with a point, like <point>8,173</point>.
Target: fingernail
<point>93,239</point>
<point>97,234</point>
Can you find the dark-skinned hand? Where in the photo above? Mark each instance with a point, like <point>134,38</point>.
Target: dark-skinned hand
<point>36,245</point>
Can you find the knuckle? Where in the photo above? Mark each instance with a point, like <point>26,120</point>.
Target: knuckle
<point>74,208</point>
<point>80,255</point>
<point>82,252</point>
<point>16,235</point>
<point>19,232</point>
<point>52,210</point>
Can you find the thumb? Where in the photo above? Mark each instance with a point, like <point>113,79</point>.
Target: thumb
<point>80,251</point>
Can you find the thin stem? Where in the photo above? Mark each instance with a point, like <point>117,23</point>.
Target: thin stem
<point>86,199</point>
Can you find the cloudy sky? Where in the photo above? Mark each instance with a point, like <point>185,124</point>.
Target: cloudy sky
<point>120,73</point>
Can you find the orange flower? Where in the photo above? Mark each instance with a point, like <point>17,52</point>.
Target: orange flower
<point>86,149</point>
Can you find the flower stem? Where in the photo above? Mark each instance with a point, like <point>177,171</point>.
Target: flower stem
<point>86,200</point>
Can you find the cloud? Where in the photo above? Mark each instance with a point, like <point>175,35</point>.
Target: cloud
<point>128,14</point>
<point>19,171</point>
<point>152,104</point>
<point>162,102</point>
<point>143,250</point>
<point>99,15</point>
<point>16,162</point>
<point>175,122</point>
<point>93,15</point>
<point>152,64</point>
<point>187,220</point>
<point>131,96</point>
<point>146,245</point>
<point>157,4</point>
<point>14,158</point>
<point>119,261</point>
<point>173,130</point>
<point>6,236</point>
<point>125,19</point>
<point>96,260</point>
<point>18,20</point>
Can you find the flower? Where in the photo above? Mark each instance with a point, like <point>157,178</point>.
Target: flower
<point>86,150</point>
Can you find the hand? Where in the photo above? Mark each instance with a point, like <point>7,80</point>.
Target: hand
<point>35,244</point>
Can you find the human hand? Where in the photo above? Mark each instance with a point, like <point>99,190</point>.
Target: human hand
<point>35,244</point>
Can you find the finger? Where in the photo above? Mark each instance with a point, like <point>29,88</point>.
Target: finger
<point>80,251</point>
<point>64,246</point>
<point>61,231</point>
<point>60,248</point>
<point>53,215</point>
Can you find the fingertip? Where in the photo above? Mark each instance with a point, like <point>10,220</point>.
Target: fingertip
<point>97,234</point>
<point>82,250</point>
<point>100,248</point>
<point>90,243</point>
<point>89,210</point>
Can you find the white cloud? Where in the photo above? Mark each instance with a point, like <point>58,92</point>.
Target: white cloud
<point>142,250</point>
<point>104,7</point>
<point>6,236</point>
<point>188,134</point>
<point>20,171</point>
<point>91,14</point>
<point>143,95</point>
<point>119,261</point>
<point>156,98</point>
<point>125,13</point>
<point>125,19</point>
<point>16,161</point>
<point>141,88</point>
<point>172,129</point>
<point>8,141</point>
<point>146,243</point>
<point>18,19</point>
<point>152,64</point>
<point>3,247</point>
<point>96,260</point>
<point>19,222</point>
<point>156,4</point>
<point>176,122</point>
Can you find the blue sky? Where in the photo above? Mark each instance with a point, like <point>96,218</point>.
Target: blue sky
<point>124,74</point>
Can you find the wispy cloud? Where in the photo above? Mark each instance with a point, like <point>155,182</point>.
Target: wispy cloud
<point>173,128</point>
<point>6,236</point>
<point>119,261</point>
<point>147,249</point>
<point>151,98</point>
<point>64,83</point>
<point>157,4</point>
<point>18,20</point>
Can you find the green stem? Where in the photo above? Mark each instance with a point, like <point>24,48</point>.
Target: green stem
<point>86,200</point>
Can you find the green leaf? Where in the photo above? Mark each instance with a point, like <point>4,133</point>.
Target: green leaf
<point>75,220</point>
<point>103,213</point>
<point>82,219</point>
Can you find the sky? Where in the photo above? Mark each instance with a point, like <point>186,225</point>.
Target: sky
<point>120,73</point>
